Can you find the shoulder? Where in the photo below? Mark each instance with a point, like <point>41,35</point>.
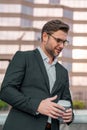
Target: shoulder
<point>20,57</point>
<point>63,71</point>
<point>61,67</point>
<point>23,54</point>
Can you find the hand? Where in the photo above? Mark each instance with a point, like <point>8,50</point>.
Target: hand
<point>49,108</point>
<point>67,116</point>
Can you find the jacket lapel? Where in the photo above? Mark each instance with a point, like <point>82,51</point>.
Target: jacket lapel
<point>42,68</point>
<point>58,79</point>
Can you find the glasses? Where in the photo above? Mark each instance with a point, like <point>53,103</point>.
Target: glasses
<point>59,41</point>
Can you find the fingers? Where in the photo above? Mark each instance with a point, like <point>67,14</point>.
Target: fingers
<point>56,113</point>
<point>55,109</point>
<point>67,116</point>
<point>55,104</point>
<point>50,108</point>
<point>53,98</point>
<point>67,119</point>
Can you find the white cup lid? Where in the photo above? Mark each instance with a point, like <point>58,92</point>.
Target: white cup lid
<point>65,103</point>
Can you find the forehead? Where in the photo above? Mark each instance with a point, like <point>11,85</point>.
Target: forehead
<point>60,33</point>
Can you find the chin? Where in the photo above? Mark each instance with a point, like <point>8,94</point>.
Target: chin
<point>57,54</point>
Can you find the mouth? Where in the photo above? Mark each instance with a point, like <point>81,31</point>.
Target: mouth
<point>58,50</point>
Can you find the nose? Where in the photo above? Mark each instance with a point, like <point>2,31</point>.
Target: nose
<point>61,44</point>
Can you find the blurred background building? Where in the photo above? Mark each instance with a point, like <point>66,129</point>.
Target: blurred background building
<point>20,25</point>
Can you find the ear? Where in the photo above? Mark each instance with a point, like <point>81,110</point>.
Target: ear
<point>45,37</point>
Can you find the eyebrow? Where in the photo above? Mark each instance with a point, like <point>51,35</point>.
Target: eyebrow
<point>58,39</point>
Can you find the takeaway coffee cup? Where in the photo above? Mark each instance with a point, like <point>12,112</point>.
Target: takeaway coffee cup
<point>66,104</point>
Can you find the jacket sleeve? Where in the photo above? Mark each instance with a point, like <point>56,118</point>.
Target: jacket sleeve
<point>66,95</point>
<point>11,86</point>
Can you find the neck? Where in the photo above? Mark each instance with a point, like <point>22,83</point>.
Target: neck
<point>51,59</point>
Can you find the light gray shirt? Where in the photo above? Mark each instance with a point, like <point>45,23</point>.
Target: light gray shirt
<point>50,68</point>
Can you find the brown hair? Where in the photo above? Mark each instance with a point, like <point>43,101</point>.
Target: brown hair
<point>53,26</point>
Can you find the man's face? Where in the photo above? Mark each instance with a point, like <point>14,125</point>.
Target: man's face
<point>54,43</point>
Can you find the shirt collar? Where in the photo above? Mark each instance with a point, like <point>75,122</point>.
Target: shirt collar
<point>45,57</point>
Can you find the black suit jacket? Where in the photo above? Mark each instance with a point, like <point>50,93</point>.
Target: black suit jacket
<point>25,85</point>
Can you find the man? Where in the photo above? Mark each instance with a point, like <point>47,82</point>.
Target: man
<point>35,81</point>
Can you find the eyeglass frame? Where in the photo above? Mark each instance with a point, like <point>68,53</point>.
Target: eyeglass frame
<point>58,40</point>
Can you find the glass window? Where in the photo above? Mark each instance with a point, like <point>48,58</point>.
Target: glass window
<point>27,47</point>
<point>80,41</point>
<point>9,21</point>
<point>41,2</point>
<point>74,3</point>
<point>10,35</point>
<point>56,12</point>
<point>10,8</point>
<point>79,54</point>
<point>67,65</point>
<point>1,78</point>
<point>67,52</point>
<point>26,23</point>
<point>68,13</point>
<point>37,36</point>
<point>79,67</point>
<point>54,1</point>
<point>80,15</point>
<point>80,80</point>
<point>38,24</point>
<point>3,64</point>
<point>27,10</point>
<point>80,28</point>
<point>29,35</point>
<point>8,49</point>
<point>19,35</point>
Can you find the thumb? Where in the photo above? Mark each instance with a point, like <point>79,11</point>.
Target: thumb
<point>53,98</point>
